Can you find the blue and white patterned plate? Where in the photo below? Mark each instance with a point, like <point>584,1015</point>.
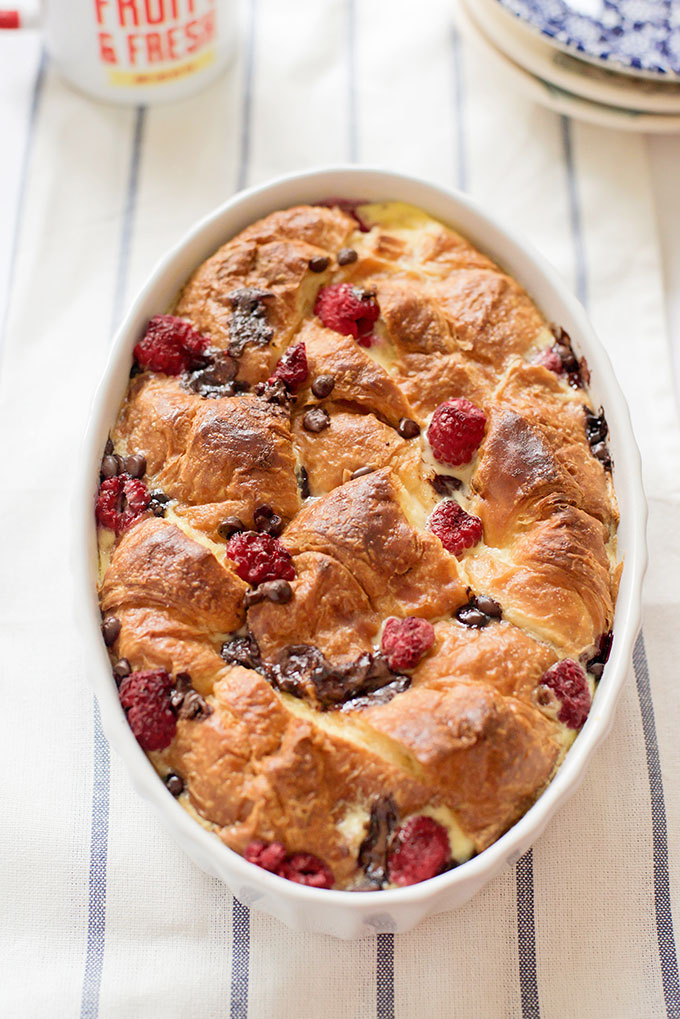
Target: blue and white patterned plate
<point>635,36</point>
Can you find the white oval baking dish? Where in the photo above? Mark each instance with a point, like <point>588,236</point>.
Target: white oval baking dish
<point>349,914</point>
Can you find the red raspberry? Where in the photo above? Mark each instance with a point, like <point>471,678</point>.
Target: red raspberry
<point>455,432</point>
<point>307,869</point>
<point>405,641</point>
<point>269,856</point>
<point>170,345</point>
<point>551,360</point>
<point>456,529</point>
<point>292,368</point>
<point>260,557</point>
<point>303,868</point>
<point>348,310</point>
<point>120,502</point>
<point>145,697</point>
<point>420,849</point>
<point>568,681</point>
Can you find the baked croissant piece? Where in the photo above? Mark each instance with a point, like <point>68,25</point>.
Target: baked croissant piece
<point>357,540</point>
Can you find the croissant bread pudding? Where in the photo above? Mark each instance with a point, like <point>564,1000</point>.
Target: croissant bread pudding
<point>357,542</point>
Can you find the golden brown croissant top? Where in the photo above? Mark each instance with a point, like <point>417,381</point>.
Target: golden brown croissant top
<point>357,546</point>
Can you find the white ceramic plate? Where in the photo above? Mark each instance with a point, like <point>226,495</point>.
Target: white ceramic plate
<point>557,99</point>
<point>342,913</point>
<point>598,84</point>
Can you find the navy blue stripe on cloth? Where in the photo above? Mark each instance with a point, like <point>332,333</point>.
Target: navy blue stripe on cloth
<point>575,213</point>
<point>96,921</point>
<point>240,961</point>
<point>526,937</point>
<point>384,969</point>
<point>352,115</point>
<point>246,115</point>
<point>662,900</point>
<point>28,148</point>
<point>460,160</point>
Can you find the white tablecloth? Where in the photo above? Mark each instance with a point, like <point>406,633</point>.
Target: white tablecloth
<point>101,914</point>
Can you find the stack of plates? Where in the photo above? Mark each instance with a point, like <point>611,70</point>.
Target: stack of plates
<point>611,62</point>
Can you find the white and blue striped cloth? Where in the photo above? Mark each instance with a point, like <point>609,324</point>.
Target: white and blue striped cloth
<point>102,916</point>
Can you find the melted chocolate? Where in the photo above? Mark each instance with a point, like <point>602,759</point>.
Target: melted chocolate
<point>214,379</point>
<point>577,372</point>
<point>597,430</point>
<point>596,664</point>
<point>305,672</point>
<point>248,322</point>
<point>242,651</point>
<point>373,850</point>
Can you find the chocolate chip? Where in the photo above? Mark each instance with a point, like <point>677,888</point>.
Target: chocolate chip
<point>319,263</point>
<point>274,526</point>
<point>135,465</point>
<point>604,646</point>
<point>346,256</point>
<point>108,448</point>
<point>121,669</point>
<point>278,591</point>
<point>597,663</point>
<point>242,651</point>
<point>596,425</point>
<point>174,783</point>
<point>322,386</point>
<point>176,699</point>
<point>303,482</point>
<point>596,432</point>
<point>181,689</point>
<point>566,356</point>
<point>195,706</point>
<point>158,502</point>
<point>408,428</point>
<point>488,606</point>
<point>469,615</point>
<point>544,695</point>
<point>274,392</point>
<point>445,484</point>
<point>267,521</point>
<point>241,386</point>
<point>315,420</point>
<point>110,466</point>
<point>110,630</point>
<point>183,681</point>
<point>360,472</point>
<point>600,451</point>
<point>232,525</point>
